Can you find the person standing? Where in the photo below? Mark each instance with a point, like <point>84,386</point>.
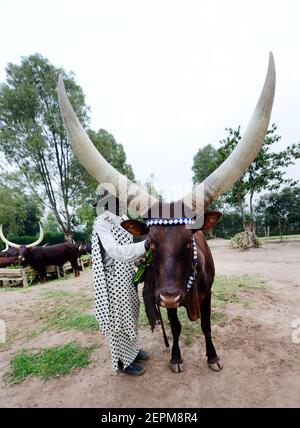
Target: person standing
<point>116,298</point>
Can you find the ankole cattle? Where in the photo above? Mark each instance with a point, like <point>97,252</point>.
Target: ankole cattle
<point>7,261</point>
<point>41,257</point>
<point>9,252</point>
<point>182,269</point>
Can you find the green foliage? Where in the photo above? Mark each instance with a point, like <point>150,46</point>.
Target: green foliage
<point>50,224</point>
<point>19,212</point>
<point>280,210</point>
<point>230,224</point>
<point>32,136</point>
<point>114,153</point>
<point>48,363</point>
<point>265,173</point>
<point>205,162</point>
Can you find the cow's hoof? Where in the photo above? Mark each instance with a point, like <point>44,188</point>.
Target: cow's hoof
<point>216,365</point>
<point>176,367</point>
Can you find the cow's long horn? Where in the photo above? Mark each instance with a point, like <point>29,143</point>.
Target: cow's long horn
<point>6,247</point>
<point>38,241</point>
<point>94,162</point>
<point>243,155</point>
<point>12,244</point>
<point>6,241</point>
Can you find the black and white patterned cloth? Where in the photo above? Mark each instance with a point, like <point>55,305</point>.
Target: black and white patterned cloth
<point>116,298</point>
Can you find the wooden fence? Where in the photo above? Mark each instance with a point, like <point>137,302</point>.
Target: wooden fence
<point>24,276</point>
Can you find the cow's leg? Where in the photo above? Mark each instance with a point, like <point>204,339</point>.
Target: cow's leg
<point>75,267</point>
<point>43,275</point>
<point>213,360</point>
<point>176,361</point>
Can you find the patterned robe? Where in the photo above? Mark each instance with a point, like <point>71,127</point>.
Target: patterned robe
<point>116,298</point>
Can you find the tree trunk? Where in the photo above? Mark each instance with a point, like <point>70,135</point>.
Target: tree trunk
<point>68,236</point>
<point>243,215</point>
<point>251,206</point>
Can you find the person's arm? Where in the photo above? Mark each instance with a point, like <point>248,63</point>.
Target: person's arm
<point>122,253</point>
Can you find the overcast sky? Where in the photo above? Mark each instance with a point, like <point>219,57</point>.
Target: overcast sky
<point>165,77</point>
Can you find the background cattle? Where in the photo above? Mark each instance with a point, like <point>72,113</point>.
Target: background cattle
<point>41,257</point>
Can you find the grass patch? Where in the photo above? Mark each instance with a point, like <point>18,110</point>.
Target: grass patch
<point>11,334</point>
<point>20,289</point>
<point>32,334</point>
<point>226,288</point>
<point>51,362</point>
<point>67,312</point>
<point>58,293</point>
<point>78,322</point>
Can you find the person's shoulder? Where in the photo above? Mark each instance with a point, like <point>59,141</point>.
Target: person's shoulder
<point>102,219</point>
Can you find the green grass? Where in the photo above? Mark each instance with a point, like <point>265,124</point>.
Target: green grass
<point>11,334</point>
<point>20,289</point>
<point>32,334</point>
<point>226,289</point>
<point>78,322</point>
<point>58,293</point>
<point>67,312</point>
<point>48,363</point>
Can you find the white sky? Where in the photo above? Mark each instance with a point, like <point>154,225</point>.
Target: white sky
<point>165,77</point>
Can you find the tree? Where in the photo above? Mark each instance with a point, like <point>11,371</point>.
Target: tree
<point>236,195</point>
<point>113,152</point>
<point>50,224</point>
<point>32,136</point>
<point>19,212</point>
<point>266,172</point>
<point>280,209</point>
<point>204,163</point>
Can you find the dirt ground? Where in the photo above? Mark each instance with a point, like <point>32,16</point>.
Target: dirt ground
<point>261,362</point>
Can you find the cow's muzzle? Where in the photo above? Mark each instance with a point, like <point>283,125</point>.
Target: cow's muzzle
<point>169,302</point>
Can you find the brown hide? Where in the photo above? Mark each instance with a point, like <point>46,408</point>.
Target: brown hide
<point>168,274</point>
<point>204,279</point>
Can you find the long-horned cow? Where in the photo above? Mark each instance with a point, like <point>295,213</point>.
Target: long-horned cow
<point>182,271</point>
<point>9,252</point>
<point>41,257</point>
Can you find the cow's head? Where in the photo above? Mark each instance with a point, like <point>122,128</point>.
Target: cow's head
<point>22,250</point>
<point>172,251</point>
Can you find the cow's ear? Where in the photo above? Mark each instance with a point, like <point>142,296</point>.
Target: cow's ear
<point>135,227</point>
<point>211,219</point>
